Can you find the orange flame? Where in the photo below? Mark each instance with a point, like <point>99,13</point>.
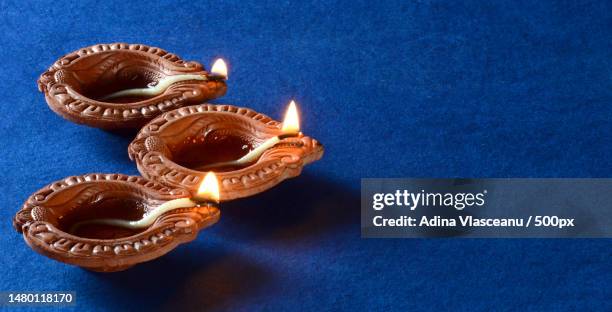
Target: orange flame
<point>209,188</point>
<point>219,68</point>
<point>291,123</point>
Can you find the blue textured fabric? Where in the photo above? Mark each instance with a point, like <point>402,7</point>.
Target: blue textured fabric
<point>392,89</point>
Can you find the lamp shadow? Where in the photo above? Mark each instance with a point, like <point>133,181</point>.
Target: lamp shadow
<point>191,277</point>
<point>209,274</point>
<point>305,206</point>
<point>127,134</point>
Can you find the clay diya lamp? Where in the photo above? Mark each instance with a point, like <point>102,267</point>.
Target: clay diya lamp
<point>121,85</point>
<point>59,221</point>
<point>249,151</point>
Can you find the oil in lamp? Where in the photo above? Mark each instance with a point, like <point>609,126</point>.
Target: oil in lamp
<point>290,128</point>
<point>218,72</point>
<point>208,194</point>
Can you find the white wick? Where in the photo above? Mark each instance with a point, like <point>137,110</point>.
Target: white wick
<point>158,89</point>
<point>146,220</point>
<point>207,192</point>
<point>248,158</point>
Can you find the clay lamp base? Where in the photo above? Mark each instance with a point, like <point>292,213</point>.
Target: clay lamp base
<point>48,218</point>
<point>175,148</point>
<point>84,86</point>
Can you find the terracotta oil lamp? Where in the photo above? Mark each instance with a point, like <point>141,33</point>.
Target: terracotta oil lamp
<point>249,151</point>
<point>71,220</point>
<point>121,85</point>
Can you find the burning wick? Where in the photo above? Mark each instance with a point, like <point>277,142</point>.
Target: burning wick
<point>208,193</point>
<point>218,71</point>
<point>290,128</point>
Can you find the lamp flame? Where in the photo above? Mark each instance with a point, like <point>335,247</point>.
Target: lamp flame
<point>209,188</point>
<point>291,123</point>
<point>219,68</point>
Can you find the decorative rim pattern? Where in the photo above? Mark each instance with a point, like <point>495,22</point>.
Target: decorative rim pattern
<point>57,84</point>
<point>37,219</point>
<point>285,160</point>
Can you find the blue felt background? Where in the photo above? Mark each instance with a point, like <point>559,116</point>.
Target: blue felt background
<point>392,89</point>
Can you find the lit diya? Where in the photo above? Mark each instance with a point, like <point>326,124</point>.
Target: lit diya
<point>124,85</point>
<point>208,193</point>
<point>143,220</point>
<point>249,151</point>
